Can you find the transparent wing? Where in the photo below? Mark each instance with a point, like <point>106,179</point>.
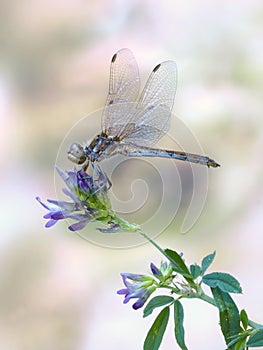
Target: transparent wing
<point>151,118</point>
<point>124,88</point>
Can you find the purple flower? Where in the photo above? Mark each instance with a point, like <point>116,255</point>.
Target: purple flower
<point>141,286</point>
<point>88,201</point>
<point>59,210</point>
<point>81,189</point>
<point>163,273</point>
<point>137,286</point>
<point>155,271</point>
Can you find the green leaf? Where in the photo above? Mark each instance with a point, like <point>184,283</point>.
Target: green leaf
<point>178,264</point>
<point>207,261</point>
<point>155,335</point>
<point>156,302</point>
<point>228,313</point>
<point>256,339</point>
<point>255,325</point>
<point>239,342</point>
<point>241,345</point>
<point>223,281</point>
<point>244,318</point>
<point>195,270</point>
<point>178,324</point>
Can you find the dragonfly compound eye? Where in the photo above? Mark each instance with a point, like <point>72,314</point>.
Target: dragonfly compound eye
<point>76,154</point>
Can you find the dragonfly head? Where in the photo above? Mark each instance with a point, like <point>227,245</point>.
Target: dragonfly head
<point>76,154</point>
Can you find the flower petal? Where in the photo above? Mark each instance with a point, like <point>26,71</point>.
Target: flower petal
<point>62,204</point>
<point>61,173</point>
<point>43,204</point>
<point>58,215</point>
<point>124,291</point>
<point>138,304</point>
<point>155,270</point>
<point>50,223</point>
<point>111,229</point>
<point>85,181</point>
<point>78,226</point>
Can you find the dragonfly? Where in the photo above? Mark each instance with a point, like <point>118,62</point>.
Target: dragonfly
<point>131,125</point>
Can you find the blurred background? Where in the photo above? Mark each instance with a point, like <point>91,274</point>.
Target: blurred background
<point>58,291</point>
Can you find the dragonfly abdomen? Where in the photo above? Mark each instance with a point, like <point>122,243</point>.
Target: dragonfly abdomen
<point>136,151</point>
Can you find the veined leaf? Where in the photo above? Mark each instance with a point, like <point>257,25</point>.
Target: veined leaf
<point>155,335</point>
<point>158,301</point>
<point>255,325</point>
<point>239,341</point>
<point>178,324</point>
<point>228,313</point>
<point>244,318</point>
<point>223,281</point>
<point>207,261</point>
<point>256,339</point>
<point>178,264</point>
<point>195,270</point>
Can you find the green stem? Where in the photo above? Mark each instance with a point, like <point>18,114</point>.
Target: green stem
<point>151,241</point>
<point>206,298</point>
<point>199,295</point>
<point>203,296</point>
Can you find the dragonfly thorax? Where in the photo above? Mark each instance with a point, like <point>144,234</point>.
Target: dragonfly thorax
<point>98,147</point>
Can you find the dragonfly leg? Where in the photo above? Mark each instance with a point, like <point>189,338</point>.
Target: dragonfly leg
<point>85,166</point>
<point>102,176</point>
<point>109,181</point>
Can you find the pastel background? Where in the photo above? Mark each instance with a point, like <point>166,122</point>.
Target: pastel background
<point>58,291</point>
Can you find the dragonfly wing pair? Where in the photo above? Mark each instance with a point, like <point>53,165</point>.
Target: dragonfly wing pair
<point>145,122</point>
<point>131,128</point>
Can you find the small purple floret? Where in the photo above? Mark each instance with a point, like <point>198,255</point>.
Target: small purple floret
<point>81,187</point>
<point>137,286</point>
<point>155,270</point>
<point>88,201</point>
